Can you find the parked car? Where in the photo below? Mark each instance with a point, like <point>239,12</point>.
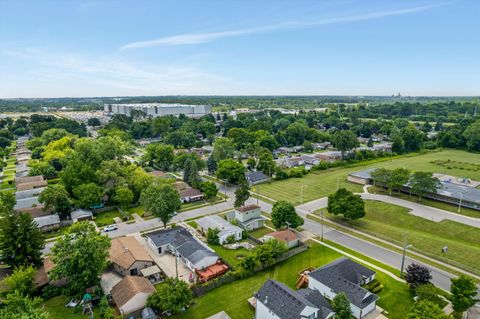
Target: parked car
<point>110,228</point>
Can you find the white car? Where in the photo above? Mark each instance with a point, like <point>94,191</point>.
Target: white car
<point>110,228</point>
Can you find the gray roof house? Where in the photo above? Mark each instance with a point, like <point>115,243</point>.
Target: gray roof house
<point>345,275</point>
<point>81,214</point>
<point>178,240</point>
<point>276,301</point>
<point>28,193</point>
<point>49,222</point>
<point>27,203</point>
<point>256,177</point>
<point>217,222</point>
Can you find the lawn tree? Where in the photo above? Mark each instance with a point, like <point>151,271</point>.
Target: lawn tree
<point>345,141</point>
<point>429,292</point>
<point>56,197</point>
<point>422,183</point>
<point>398,178</point>
<point>231,171</point>
<point>341,306</point>
<point>381,176</point>
<point>242,193</point>
<point>87,195</point>
<point>284,215</point>
<point>247,266</point>
<point>209,189</point>
<point>21,241</point>
<point>80,257</point>
<point>211,165</point>
<point>345,203</point>
<point>412,138</point>
<point>161,201</point>
<point>21,280</point>
<point>123,196</point>
<point>463,290</point>
<point>425,309</point>
<point>472,136</point>
<point>416,275</point>
<point>267,253</point>
<point>182,158</point>
<point>223,148</point>
<point>16,305</point>
<point>190,173</point>
<point>172,295</point>
<point>212,236</point>
<point>159,155</point>
<point>266,164</point>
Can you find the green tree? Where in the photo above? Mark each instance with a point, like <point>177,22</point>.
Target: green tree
<point>422,183</point>
<point>211,165</point>
<point>429,292</point>
<point>242,193</point>
<point>56,197</point>
<point>413,138</point>
<point>271,250</point>
<point>398,177</point>
<point>21,241</point>
<point>21,280</point>
<point>231,171</point>
<point>266,164</point>
<point>381,176</point>
<point>247,266</point>
<point>87,195</point>
<point>161,200</point>
<point>209,189</point>
<point>223,148</point>
<point>80,257</point>
<point>425,309</point>
<point>190,173</point>
<point>18,306</point>
<point>345,203</point>
<point>93,121</point>
<point>284,214</point>
<point>472,136</point>
<point>341,306</point>
<point>212,236</point>
<point>159,155</point>
<point>463,290</point>
<point>123,196</point>
<point>172,295</point>
<point>345,141</point>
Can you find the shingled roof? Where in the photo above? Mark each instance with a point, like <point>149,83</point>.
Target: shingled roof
<point>129,287</point>
<point>125,251</point>
<point>287,304</point>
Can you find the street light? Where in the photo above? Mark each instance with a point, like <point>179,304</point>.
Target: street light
<point>460,202</point>
<point>405,247</point>
<point>321,212</point>
<point>301,193</point>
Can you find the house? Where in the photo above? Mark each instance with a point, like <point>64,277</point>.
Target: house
<point>330,156</point>
<point>48,222</point>
<point>36,211</point>
<point>178,241</point>
<point>385,147</point>
<point>249,217</point>
<point>161,174</point>
<point>256,177</point>
<point>42,277</point>
<point>28,193</point>
<point>28,179</point>
<point>297,149</point>
<point>283,150</point>
<point>287,236</point>
<point>321,146</point>
<point>81,214</point>
<point>293,162</point>
<point>190,194</point>
<point>345,275</point>
<point>128,256</point>
<point>276,301</point>
<point>310,160</point>
<point>216,222</point>
<point>131,294</point>
<point>26,203</point>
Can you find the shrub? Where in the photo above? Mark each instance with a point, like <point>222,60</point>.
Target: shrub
<point>377,289</point>
<point>431,293</point>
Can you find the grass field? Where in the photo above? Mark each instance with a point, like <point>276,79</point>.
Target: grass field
<point>232,298</point>
<point>231,256</point>
<point>57,310</point>
<point>392,223</point>
<point>106,218</point>
<point>322,183</point>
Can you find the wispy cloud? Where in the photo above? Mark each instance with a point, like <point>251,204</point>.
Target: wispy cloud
<point>196,38</point>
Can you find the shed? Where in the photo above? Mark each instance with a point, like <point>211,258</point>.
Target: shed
<point>81,214</point>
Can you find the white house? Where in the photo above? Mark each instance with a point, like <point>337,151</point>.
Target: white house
<point>131,294</point>
<point>276,301</point>
<point>249,217</point>
<point>345,275</point>
<point>216,222</point>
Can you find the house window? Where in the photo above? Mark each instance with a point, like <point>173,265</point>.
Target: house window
<point>133,272</point>
<point>160,250</point>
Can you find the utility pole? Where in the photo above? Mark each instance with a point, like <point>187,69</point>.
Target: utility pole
<point>321,212</point>
<point>176,264</point>
<point>460,202</point>
<point>405,247</point>
<point>225,189</point>
<point>257,194</point>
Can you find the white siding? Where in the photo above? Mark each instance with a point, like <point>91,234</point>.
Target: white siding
<point>136,303</point>
<point>205,262</point>
<point>262,312</point>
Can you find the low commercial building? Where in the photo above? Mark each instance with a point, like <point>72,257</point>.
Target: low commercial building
<point>128,257</point>
<point>130,295</point>
<point>361,177</point>
<point>226,229</point>
<point>249,217</point>
<point>158,109</point>
<point>345,275</point>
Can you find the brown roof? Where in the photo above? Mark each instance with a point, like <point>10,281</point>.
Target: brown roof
<point>41,277</point>
<point>190,192</point>
<point>284,235</point>
<point>179,186</point>
<point>129,287</point>
<point>247,208</point>
<point>37,211</point>
<point>125,251</point>
<point>31,185</point>
<point>28,179</point>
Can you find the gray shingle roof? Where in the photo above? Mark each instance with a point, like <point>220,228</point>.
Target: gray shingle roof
<point>78,213</point>
<point>28,193</point>
<point>345,275</point>
<point>255,177</point>
<point>27,202</point>
<point>288,304</point>
<point>48,220</point>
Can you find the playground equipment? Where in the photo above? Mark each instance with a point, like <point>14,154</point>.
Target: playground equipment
<point>302,281</point>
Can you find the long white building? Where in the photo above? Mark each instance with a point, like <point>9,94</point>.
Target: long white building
<point>158,109</point>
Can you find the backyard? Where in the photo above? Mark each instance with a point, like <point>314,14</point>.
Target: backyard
<point>106,218</point>
<point>57,310</point>
<point>393,223</point>
<point>232,298</point>
<point>322,183</point>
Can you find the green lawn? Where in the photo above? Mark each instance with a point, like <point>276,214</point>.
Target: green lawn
<point>260,232</point>
<point>391,222</point>
<point>322,183</point>
<point>428,202</point>
<point>231,256</point>
<point>232,298</point>
<point>57,310</point>
<point>106,218</point>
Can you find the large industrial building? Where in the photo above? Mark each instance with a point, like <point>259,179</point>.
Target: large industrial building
<point>158,109</point>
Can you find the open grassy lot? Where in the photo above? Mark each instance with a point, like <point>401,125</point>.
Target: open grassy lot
<point>322,183</point>
<point>232,298</point>
<point>57,310</point>
<point>392,223</point>
<point>106,218</point>
<point>428,202</point>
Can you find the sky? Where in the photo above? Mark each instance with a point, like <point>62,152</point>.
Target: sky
<point>68,48</point>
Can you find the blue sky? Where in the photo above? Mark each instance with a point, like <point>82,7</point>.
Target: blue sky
<point>297,47</point>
